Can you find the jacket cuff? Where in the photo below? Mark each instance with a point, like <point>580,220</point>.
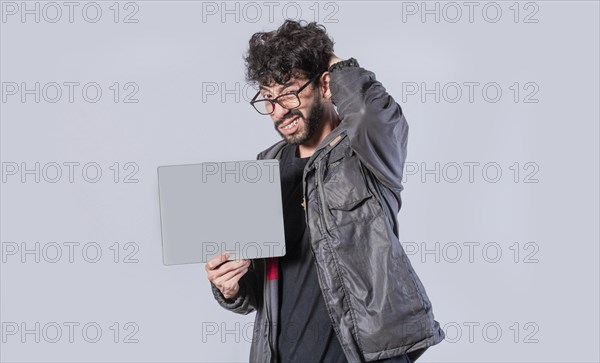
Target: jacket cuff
<point>348,84</point>
<point>229,303</point>
<point>351,62</point>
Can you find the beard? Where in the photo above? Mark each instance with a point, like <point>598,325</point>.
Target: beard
<point>311,124</point>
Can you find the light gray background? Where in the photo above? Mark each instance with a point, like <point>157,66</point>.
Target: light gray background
<point>545,310</point>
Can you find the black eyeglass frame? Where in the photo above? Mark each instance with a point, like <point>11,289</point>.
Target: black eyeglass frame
<point>276,99</point>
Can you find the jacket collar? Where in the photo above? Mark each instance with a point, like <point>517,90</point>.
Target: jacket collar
<point>274,151</point>
<point>328,142</point>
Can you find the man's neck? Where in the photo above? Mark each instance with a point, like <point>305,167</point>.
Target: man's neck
<point>330,122</point>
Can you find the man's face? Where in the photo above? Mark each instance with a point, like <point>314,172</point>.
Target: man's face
<point>300,124</point>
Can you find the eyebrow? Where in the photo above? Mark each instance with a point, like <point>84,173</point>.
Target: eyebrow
<point>285,85</point>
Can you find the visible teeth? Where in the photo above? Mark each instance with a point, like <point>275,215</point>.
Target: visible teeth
<point>292,124</point>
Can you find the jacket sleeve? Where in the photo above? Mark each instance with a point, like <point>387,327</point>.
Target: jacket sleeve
<point>247,299</point>
<point>377,129</point>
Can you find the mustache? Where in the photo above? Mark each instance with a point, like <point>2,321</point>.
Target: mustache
<point>292,114</point>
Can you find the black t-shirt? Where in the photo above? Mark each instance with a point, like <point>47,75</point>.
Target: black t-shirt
<point>305,331</point>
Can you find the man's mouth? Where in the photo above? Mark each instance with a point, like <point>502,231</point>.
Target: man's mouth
<point>291,126</point>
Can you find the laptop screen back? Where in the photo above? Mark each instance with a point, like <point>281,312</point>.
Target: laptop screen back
<point>215,207</point>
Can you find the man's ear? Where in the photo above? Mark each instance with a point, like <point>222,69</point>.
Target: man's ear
<point>324,86</point>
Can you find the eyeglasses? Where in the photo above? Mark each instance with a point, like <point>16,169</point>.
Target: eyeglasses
<point>288,101</point>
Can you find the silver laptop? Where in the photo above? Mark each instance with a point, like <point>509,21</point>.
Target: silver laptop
<point>215,207</point>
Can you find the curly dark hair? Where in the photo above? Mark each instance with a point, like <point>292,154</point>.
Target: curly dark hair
<point>293,50</point>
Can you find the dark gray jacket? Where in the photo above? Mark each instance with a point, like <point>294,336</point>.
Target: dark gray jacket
<point>352,184</point>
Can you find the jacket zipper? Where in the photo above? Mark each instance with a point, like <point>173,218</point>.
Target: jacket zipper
<point>267,314</point>
<point>319,185</point>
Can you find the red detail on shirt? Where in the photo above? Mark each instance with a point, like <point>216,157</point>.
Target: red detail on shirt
<point>272,268</point>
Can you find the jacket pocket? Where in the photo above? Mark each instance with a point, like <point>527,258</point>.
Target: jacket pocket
<point>351,203</point>
<point>345,191</point>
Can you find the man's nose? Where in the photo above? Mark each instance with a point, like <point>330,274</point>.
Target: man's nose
<point>279,112</point>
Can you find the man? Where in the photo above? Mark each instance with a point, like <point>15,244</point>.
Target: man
<point>345,290</point>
